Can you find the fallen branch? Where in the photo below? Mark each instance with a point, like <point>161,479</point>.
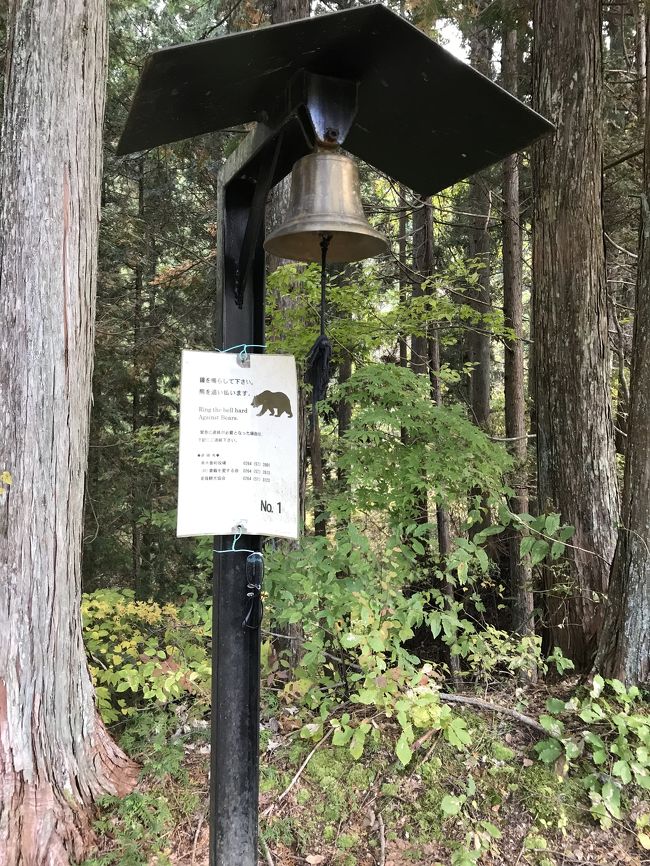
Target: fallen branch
<point>266,852</point>
<point>196,835</point>
<point>301,770</point>
<point>623,158</point>
<point>480,704</point>
<point>382,841</point>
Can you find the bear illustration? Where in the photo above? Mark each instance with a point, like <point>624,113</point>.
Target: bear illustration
<point>274,402</point>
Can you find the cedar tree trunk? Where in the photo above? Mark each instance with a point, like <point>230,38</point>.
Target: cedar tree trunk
<point>422,258</point>
<point>624,650</point>
<point>480,246</point>
<point>576,473</point>
<point>56,757</point>
<point>514,374</point>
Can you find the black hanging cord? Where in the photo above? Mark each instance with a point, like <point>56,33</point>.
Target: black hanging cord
<point>320,354</point>
<point>324,246</point>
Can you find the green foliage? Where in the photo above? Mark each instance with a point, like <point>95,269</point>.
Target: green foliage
<point>150,737</point>
<point>137,825</point>
<point>142,653</point>
<point>401,446</point>
<point>364,592</point>
<point>364,311</point>
<point>611,754</point>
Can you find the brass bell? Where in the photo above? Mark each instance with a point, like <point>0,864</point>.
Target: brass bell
<point>325,200</point>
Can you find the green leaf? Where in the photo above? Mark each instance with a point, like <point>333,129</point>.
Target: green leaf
<point>644,840</point>
<point>342,736</point>
<point>557,550</point>
<point>588,715</point>
<point>539,551</point>
<point>597,686</point>
<point>549,751</point>
<point>457,734</point>
<point>357,744</point>
<point>554,726</point>
<point>483,560</point>
<point>571,749</point>
<point>555,705</point>
<point>403,751</point>
<point>526,545</point>
<point>552,524</point>
<point>492,829</point>
<point>451,805</point>
<point>622,770</point>
<point>612,799</point>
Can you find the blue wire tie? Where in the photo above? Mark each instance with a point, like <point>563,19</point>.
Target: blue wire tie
<point>234,548</point>
<point>243,354</point>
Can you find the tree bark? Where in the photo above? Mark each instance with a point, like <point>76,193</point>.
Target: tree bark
<point>136,484</point>
<point>442,518</point>
<point>317,479</point>
<point>624,650</point>
<point>289,10</point>
<point>641,47</point>
<point>480,247</point>
<point>281,12</point>
<point>576,472</point>
<point>56,757</point>
<point>422,259</point>
<point>514,373</point>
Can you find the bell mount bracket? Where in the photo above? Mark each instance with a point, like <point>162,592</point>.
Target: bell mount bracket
<point>318,110</point>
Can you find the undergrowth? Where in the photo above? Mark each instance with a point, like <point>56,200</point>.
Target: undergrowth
<point>386,627</point>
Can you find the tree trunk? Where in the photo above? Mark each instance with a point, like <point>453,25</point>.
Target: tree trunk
<point>288,10</point>
<point>480,247</point>
<point>344,413</point>
<point>641,47</point>
<point>403,286</point>
<point>514,373</point>
<point>442,518</point>
<point>403,280</point>
<point>422,258</point>
<point>136,483</point>
<point>624,650</point>
<point>317,481</point>
<point>576,473</point>
<point>56,757</point>
<point>283,11</point>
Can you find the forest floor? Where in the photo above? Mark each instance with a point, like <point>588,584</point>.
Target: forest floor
<point>320,807</point>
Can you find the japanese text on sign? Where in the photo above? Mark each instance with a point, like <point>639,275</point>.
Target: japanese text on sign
<point>238,453</point>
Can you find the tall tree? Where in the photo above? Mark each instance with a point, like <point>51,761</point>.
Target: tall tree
<point>480,241</point>
<point>576,472</point>
<point>423,269</point>
<point>514,373</point>
<point>56,757</point>
<point>624,650</point>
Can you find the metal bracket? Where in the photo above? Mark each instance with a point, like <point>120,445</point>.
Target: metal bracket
<point>332,105</point>
<point>255,221</point>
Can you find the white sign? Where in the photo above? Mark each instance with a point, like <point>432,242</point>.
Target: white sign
<point>238,453</point>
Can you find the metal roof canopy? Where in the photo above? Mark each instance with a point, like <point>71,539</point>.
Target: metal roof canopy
<point>424,117</point>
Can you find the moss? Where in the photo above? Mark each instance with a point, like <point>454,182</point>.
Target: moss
<point>347,841</point>
<point>279,830</point>
<point>272,779</point>
<point>501,752</point>
<point>548,798</point>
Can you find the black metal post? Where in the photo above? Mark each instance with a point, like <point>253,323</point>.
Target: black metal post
<point>234,777</point>
<point>260,161</point>
<point>234,784</point>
